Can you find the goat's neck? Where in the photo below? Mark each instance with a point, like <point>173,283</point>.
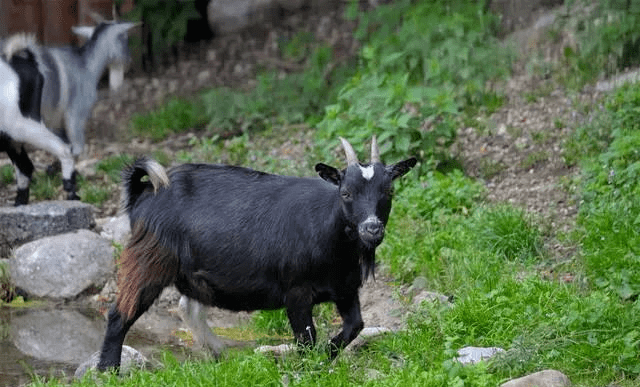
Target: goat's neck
<point>96,60</point>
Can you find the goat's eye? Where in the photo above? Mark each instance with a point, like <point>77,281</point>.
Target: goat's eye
<point>346,194</point>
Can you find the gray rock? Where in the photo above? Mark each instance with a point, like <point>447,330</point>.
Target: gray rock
<point>427,296</point>
<point>228,16</point>
<point>130,359</point>
<point>365,336</point>
<point>546,378</point>
<point>59,335</point>
<point>116,229</point>
<point>19,225</point>
<point>62,266</point>
<point>472,355</point>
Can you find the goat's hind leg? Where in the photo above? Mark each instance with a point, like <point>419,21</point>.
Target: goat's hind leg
<point>145,268</point>
<point>118,324</point>
<point>36,134</point>
<point>22,165</point>
<point>24,172</point>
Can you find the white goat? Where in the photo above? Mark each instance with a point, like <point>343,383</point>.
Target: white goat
<point>70,85</point>
<point>19,123</point>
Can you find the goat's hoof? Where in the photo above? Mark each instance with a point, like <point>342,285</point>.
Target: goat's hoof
<point>73,196</point>
<point>54,168</point>
<point>22,197</point>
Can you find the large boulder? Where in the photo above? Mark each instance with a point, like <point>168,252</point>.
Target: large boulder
<point>60,335</point>
<point>546,378</point>
<point>62,266</point>
<point>22,224</point>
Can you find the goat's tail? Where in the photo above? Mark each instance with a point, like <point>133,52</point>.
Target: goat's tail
<point>18,42</point>
<point>24,45</point>
<point>134,186</point>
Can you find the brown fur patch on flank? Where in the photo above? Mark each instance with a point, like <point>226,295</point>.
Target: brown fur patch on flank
<point>144,265</point>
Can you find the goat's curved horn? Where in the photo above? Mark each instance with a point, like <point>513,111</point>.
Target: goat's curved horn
<point>349,152</point>
<point>375,151</point>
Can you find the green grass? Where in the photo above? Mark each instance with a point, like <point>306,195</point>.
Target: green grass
<point>45,187</point>
<point>176,116</point>
<point>6,174</point>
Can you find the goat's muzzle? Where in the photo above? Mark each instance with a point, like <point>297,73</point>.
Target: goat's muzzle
<point>371,231</point>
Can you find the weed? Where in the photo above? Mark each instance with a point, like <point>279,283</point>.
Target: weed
<point>6,174</point>
<point>534,158</point>
<point>507,232</point>
<point>7,291</point>
<point>112,166</point>
<point>45,187</point>
<point>95,194</point>
<point>558,123</point>
<point>541,137</point>
<point>490,167</point>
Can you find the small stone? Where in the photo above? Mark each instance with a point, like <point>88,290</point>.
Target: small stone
<point>473,355</point>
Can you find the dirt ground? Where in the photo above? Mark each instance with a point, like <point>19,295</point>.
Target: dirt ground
<point>517,153</point>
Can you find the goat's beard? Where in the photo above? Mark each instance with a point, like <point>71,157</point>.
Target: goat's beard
<point>367,261</point>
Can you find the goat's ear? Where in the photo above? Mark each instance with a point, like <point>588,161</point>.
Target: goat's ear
<point>124,27</point>
<point>83,31</point>
<point>329,174</point>
<point>399,169</point>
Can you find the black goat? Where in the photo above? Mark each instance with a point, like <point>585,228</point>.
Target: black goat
<point>240,239</point>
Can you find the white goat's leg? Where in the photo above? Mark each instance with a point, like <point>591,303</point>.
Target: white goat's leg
<point>76,118</point>
<point>35,133</point>
<point>194,315</point>
<point>23,167</point>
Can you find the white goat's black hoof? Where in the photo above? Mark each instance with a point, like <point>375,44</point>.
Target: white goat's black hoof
<point>22,197</point>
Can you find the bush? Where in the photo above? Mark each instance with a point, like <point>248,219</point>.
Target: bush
<point>422,65</point>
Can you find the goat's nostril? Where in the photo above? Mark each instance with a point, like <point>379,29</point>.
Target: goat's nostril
<point>374,229</point>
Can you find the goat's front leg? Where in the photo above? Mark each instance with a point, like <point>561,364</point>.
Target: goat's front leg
<point>299,311</point>
<point>352,324</point>
<point>76,119</point>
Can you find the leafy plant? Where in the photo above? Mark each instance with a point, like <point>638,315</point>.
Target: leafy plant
<point>422,65</point>
<point>608,37</point>
<point>277,98</point>
<point>165,20</point>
